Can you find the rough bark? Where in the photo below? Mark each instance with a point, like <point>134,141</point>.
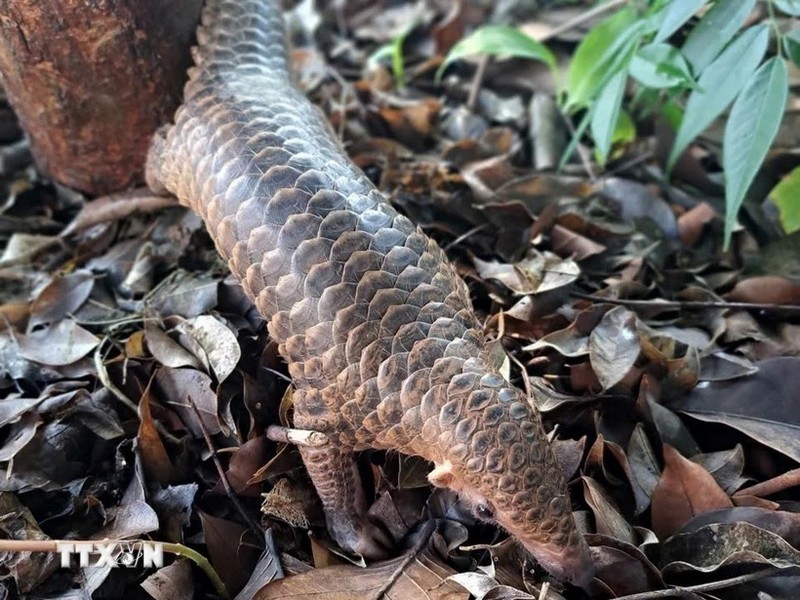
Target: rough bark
<point>91,80</point>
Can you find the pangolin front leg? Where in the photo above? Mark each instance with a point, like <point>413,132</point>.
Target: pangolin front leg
<point>334,473</point>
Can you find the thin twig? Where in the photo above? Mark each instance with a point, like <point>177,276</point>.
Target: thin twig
<point>581,19</point>
<point>692,304</point>
<point>777,484</point>
<point>544,591</point>
<point>477,83</point>
<point>251,522</point>
<point>298,437</point>
<point>480,72</point>
<point>425,534</point>
<point>703,587</point>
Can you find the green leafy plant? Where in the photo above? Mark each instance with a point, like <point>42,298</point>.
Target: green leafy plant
<point>628,64</point>
<point>498,40</point>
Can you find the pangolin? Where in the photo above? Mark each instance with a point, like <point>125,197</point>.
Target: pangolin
<point>377,328</point>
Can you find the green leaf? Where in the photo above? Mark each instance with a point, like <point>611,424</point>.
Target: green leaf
<point>660,66</point>
<point>600,56</point>
<point>718,86</point>
<point>790,7</point>
<point>497,40</point>
<point>751,128</point>
<point>714,31</point>
<point>791,44</point>
<point>676,15</point>
<point>786,196</point>
<point>605,114</point>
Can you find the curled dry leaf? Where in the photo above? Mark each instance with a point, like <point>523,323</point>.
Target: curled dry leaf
<point>541,272</point>
<point>608,519</point>
<point>167,351</point>
<point>218,342</point>
<point>684,490</point>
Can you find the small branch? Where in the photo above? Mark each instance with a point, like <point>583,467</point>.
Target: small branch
<point>425,534</point>
<point>692,304</point>
<point>581,19</point>
<point>477,82</point>
<point>298,437</point>
<point>703,587</point>
<point>477,79</point>
<point>777,484</point>
<point>254,526</point>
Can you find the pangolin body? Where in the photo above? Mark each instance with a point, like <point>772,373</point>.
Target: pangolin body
<point>376,326</point>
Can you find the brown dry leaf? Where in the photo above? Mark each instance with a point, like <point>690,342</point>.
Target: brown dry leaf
<point>217,341</point>
<point>61,343</point>
<point>637,201</point>
<point>412,125</point>
<point>420,577</point>
<point>621,566</point>
<point>21,432</point>
<point>694,221</point>
<point>176,386</point>
<point>167,351</point>
<point>614,346</point>
<point>725,466</point>
<point>173,582</point>
<point>245,461</point>
<point>684,490</point>
<point>186,295</point>
<point>61,297</point>
<point>28,570</point>
<point>765,290</point>
<point>780,522</point>
<point>15,313</point>
<point>573,341</point>
<point>267,569</point>
<point>134,517</point>
<point>608,519</point>
<point>232,558</point>
<point>644,468</point>
<point>115,207</point>
<point>713,546</point>
<point>573,245</point>
<point>541,272</point>
<point>764,406</point>
<point>671,430</point>
<point>155,459</point>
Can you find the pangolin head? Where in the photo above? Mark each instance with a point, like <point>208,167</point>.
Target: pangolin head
<point>495,454</point>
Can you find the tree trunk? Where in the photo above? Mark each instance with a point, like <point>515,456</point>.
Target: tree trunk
<point>91,80</point>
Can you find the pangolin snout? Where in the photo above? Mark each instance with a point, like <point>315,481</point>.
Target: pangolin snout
<point>497,455</point>
<point>572,563</point>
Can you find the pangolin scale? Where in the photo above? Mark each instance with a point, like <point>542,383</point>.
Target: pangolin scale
<point>377,328</point>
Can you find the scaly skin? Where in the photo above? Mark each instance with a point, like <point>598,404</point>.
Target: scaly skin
<point>376,326</point>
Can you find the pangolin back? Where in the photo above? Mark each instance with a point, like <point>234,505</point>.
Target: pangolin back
<point>376,326</point>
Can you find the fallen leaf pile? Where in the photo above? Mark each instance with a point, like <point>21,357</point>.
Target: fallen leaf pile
<point>137,381</point>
